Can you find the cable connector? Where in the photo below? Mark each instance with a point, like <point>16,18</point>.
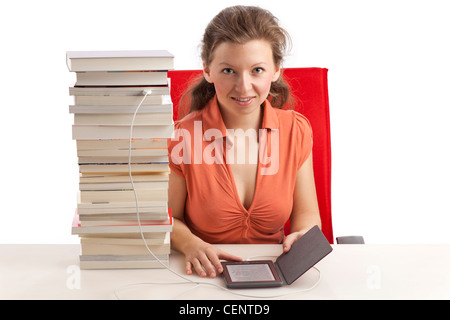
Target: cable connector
<point>146,92</point>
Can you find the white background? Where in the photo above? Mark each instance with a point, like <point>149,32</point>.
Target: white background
<point>388,67</point>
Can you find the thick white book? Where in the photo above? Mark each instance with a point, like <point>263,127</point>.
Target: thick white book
<point>117,91</point>
<point>123,168</point>
<point>158,108</point>
<point>79,230</point>
<point>87,132</point>
<point>119,60</point>
<point>122,78</point>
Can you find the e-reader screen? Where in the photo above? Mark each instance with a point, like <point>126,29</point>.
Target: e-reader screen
<point>248,274</point>
<point>254,272</point>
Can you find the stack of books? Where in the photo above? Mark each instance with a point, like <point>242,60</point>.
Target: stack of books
<point>116,230</point>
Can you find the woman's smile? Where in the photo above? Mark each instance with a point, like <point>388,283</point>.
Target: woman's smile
<point>243,102</point>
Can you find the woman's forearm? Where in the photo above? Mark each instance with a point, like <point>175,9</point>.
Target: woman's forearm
<point>181,236</point>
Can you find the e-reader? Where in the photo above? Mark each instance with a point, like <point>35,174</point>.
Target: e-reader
<point>288,267</point>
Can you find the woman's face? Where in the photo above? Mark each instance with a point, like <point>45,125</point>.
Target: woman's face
<point>242,75</point>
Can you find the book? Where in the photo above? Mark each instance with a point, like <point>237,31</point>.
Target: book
<point>118,91</point>
<point>151,185</point>
<point>119,60</point>
<point>120,222</point>
<point>157,108</point>
<point>125,216</point>
<point>123,159</point>
<point>122,156</point>
<point>123,168</point>
<point>90,132</point>
<point>99,196</point>
<point>78,229</point>
<point>121,78</point>
<point>121,144</point>
<point>124,246</point>
<point>123,100</point>
<point>161,118</point>
<point>118,229</point>
<point>148,209</point>
<point>150,237</point>
<point>122,177</point>
<point>153,152</point>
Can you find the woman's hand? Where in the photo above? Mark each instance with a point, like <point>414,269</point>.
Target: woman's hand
<point>290,239</point>
<point>204,258</point>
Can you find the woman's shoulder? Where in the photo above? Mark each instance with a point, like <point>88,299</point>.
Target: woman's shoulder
<point>298,128</point>
<point>188,120</point>
<point>293,119</point>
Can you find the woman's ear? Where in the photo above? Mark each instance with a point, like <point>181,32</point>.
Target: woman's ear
<point>207,73</point>
<point>277,73</point>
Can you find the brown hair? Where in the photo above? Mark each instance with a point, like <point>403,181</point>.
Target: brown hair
<point>240,24</point>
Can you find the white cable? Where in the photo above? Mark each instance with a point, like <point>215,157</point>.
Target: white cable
<point>146,93</point>
<point>187,280</point>
<point>198,283</point>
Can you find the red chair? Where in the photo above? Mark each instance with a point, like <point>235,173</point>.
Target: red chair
<point>310,88</point>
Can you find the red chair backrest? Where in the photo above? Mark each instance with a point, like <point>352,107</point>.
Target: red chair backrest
<point>310,88</point>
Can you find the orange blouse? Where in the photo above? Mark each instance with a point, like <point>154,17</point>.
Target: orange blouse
<point>213,210</point>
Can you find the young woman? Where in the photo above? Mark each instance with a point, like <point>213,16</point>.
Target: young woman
<point>241,167</point>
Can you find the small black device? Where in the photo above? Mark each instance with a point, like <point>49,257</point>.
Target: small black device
<point>288,267</point>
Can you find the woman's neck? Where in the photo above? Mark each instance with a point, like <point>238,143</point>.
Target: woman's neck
<point>243,121</point>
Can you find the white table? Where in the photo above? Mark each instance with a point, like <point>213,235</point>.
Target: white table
<point>349,272</point>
